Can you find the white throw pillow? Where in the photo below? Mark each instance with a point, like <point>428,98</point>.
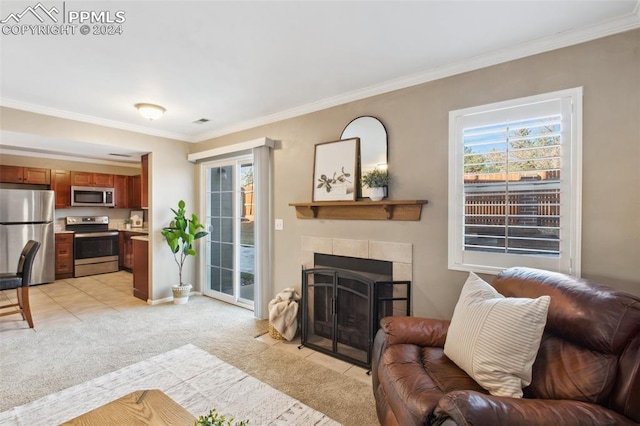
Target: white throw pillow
<point>495,339</point>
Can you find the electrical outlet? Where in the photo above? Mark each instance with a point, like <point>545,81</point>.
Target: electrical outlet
<point>279,224</point>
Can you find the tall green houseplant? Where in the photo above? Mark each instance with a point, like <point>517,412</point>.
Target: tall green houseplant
<point>181,234</point>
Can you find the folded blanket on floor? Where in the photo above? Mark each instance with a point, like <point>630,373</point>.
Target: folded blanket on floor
<point>283,313</point>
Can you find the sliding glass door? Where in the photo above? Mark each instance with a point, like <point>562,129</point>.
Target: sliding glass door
<point>230,218</point>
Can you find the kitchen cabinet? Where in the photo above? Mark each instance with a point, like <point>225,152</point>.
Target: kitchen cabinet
<point>30,175</point>
<point>121,185</point>
<point>64,255</point>
<point>92,179</point>
<point>126,250</point>
<point>11,174</point>
<point>61,185</point>
<point>144,196</point>
<point>135,192</point>
<point>141,268</point>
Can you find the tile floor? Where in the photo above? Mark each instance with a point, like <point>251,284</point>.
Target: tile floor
<point>71,300</point>
<point>340,366</point>
<point>75,300</point>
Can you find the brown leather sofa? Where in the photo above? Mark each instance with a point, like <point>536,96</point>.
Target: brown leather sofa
<point>587,371</point>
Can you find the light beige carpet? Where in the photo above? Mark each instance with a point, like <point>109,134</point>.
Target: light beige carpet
<point>195,379</point>
<point>37,363</point>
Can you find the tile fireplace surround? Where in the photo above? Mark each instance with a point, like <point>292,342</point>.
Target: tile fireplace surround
<point>400,254</point>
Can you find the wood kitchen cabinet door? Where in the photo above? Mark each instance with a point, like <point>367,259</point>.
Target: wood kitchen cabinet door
<point>126,251</point>
<point>144,194</point>
<point>91,179</point>
<point>30,175</point>
<point>121,185</point>
<point>121,250</point>
<point>64,255</point>
<point>135,191</point>
<point>61,185</point>
<point>141,269</point>
<point>81,179</point>
<point>36,176</point>
<point>103,180</point>
<point>11,174</point>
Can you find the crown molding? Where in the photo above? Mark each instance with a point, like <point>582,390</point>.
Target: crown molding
<point>568,38</point>
<point>557,41</point>
<point>39,109</point>
<point>80,159</point>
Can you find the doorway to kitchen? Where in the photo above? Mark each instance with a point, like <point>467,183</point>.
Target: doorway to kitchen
<point>230,219</point>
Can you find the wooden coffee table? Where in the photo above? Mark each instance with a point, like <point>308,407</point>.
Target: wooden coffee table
<point>143,407</point>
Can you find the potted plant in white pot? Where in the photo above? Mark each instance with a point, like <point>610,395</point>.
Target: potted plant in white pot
<point>377,180</point>
<point>180,236</point>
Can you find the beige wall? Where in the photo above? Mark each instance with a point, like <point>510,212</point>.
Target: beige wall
<point>171,178</point>
<point>416,119</point>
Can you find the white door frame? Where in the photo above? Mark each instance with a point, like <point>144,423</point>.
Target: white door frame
<point>236,163</point>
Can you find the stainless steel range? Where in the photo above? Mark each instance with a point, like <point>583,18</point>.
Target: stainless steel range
<point>95,245</point>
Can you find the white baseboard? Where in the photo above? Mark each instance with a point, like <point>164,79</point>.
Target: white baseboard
<point>159,301</point>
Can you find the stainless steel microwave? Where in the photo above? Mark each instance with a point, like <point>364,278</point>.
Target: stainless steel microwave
<point>92,196</point>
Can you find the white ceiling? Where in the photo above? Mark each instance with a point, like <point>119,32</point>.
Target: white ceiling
<point>246,63</point>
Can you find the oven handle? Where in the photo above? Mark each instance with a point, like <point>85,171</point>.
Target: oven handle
<point>96,234</point>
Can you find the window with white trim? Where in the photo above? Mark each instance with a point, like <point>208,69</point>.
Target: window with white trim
<point>515,184</point>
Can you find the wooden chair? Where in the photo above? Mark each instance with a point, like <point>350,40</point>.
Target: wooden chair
<point>20,281</point>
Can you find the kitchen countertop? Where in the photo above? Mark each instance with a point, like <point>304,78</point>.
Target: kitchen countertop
<point>136,230</point>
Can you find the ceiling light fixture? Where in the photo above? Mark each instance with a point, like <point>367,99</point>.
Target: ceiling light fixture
<point>150,111</point>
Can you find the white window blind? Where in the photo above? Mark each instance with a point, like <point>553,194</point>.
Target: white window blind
<point>512,187</point>
<point>514,184</point>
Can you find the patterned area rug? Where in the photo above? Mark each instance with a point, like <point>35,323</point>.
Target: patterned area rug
<point>192,377</point>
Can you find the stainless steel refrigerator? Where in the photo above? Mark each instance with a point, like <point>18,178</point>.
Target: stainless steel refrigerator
<point>27,215</point>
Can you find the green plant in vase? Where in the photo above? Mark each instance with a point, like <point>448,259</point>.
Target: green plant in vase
<point>180,235</point>
<point>376,180</point>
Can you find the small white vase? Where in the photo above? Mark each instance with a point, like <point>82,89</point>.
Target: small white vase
<point>376,194</point>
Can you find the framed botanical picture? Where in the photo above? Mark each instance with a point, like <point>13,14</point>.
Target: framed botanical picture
<point>335,167</point>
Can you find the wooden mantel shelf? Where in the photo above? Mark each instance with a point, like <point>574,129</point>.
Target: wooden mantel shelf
<point>361,210</point>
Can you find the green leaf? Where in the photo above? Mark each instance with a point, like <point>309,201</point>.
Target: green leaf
<point>182,231</point>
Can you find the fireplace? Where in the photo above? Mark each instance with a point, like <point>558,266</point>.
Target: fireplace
<point>343,300</point>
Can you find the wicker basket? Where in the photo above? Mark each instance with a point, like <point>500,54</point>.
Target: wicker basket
<point>275,334</point>
<point>181,293</point>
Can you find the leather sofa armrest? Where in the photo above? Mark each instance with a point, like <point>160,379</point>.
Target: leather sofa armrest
<point>474,408</point>
<point>425,332</point>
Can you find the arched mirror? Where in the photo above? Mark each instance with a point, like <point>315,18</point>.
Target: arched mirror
<point>373,144</point>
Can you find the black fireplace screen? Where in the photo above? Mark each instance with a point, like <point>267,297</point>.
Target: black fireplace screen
<point>342,310</point>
